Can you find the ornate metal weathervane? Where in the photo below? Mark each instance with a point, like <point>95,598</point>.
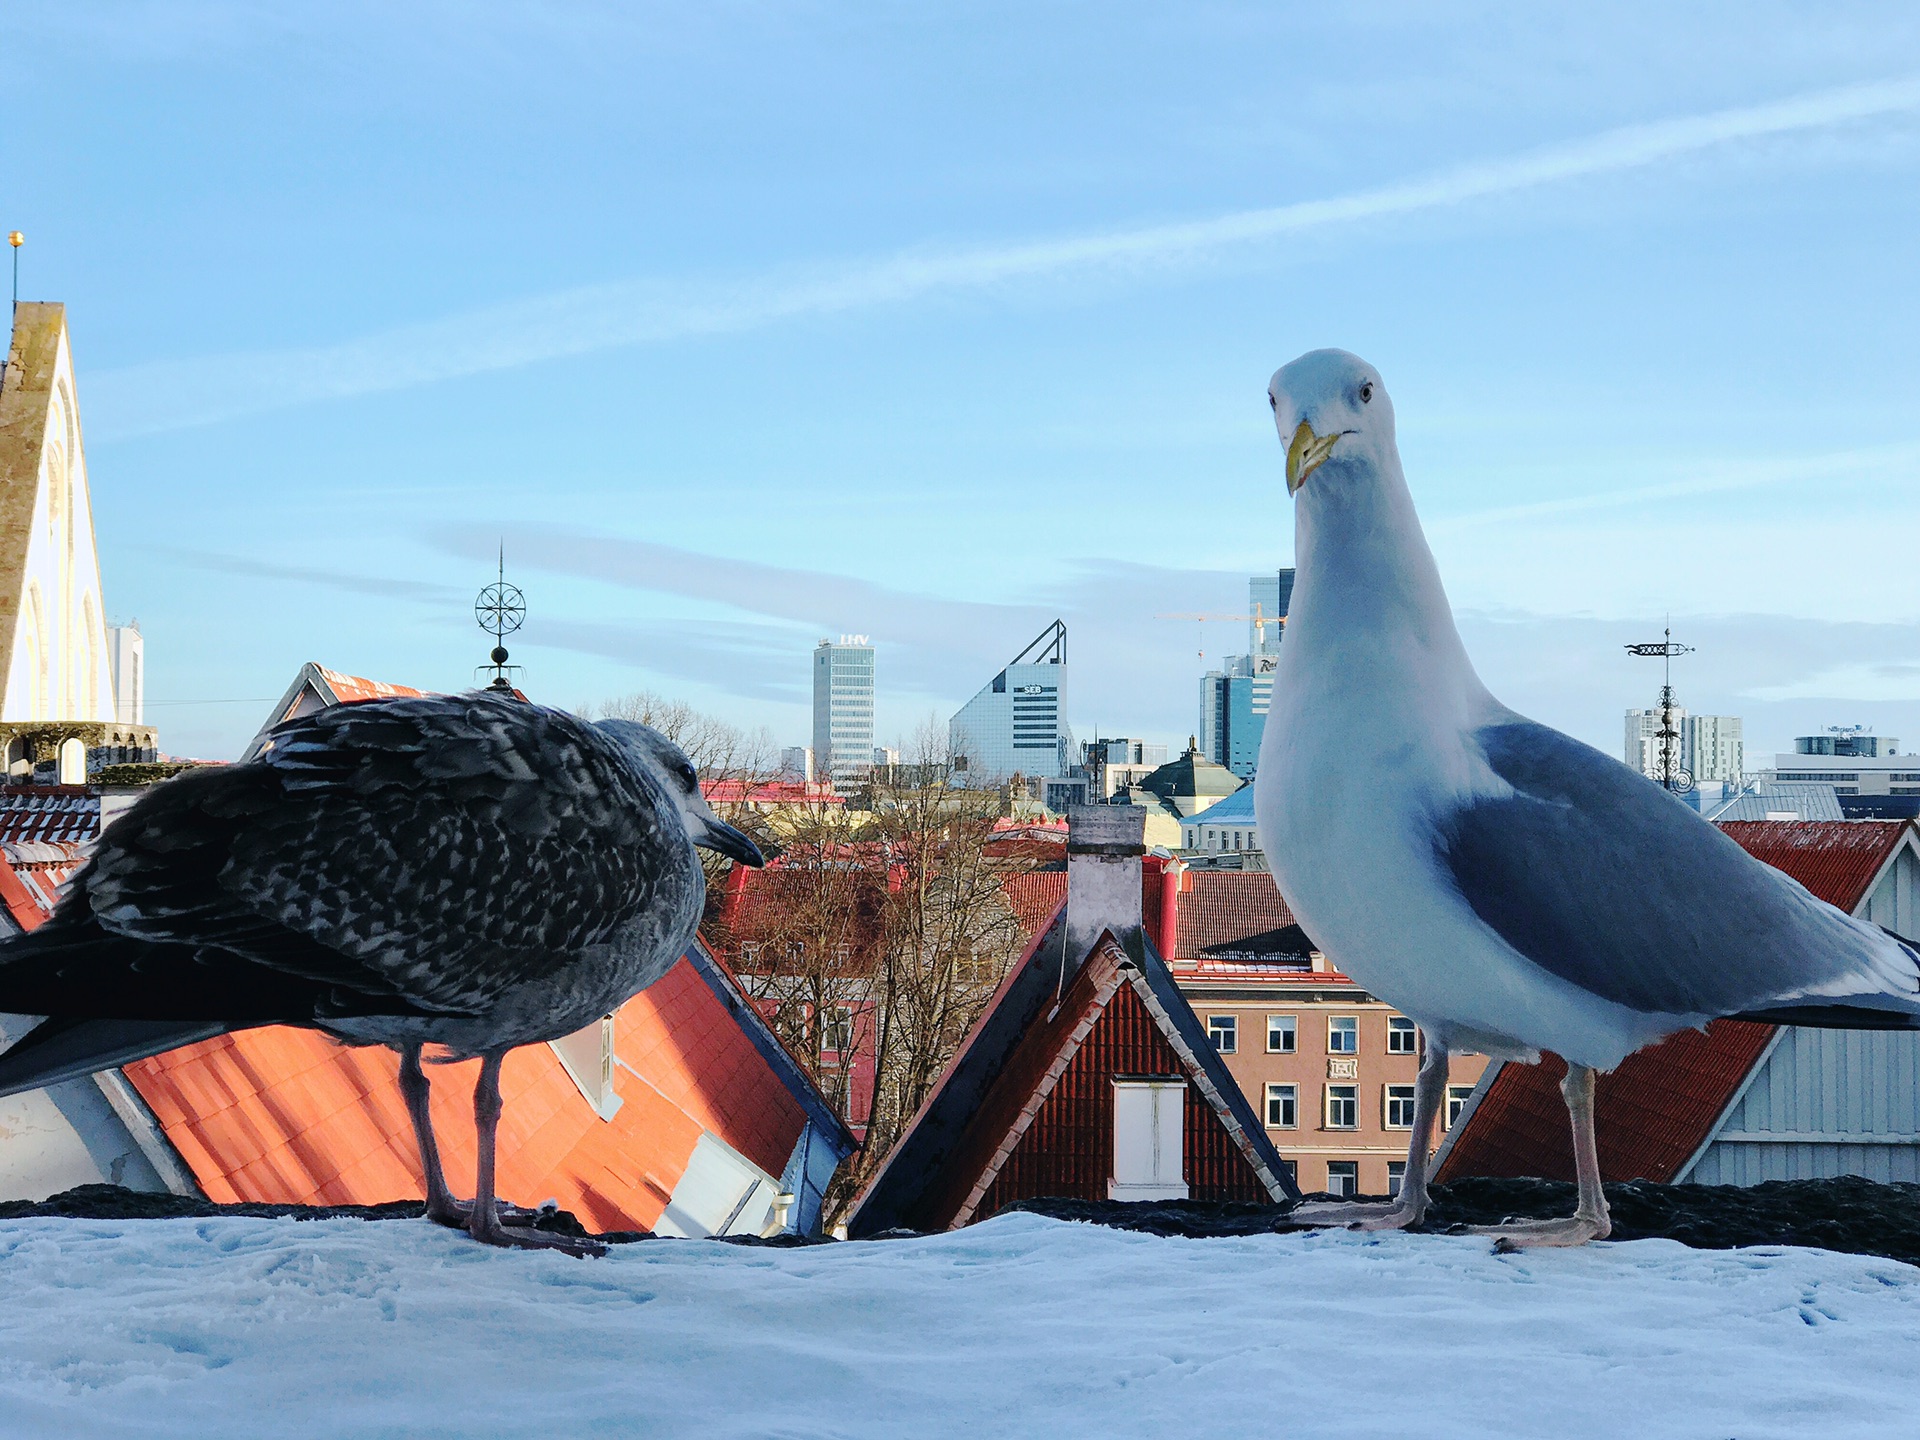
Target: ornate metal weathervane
<point>1671,773</point>
<point>500,609</point>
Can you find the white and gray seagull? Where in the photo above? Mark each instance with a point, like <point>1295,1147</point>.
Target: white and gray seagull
<point>470,872</point>
<point>1507,887</point>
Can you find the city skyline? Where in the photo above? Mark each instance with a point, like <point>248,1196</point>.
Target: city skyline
<point>756,332</point>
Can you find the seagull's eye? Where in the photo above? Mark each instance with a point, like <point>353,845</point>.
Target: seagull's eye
<point>1273,403</point>
<point>1366,391</point>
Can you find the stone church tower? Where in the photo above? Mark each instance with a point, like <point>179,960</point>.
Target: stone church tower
<point>57,703</point>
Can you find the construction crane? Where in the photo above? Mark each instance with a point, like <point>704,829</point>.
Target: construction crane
<point>1260,623</point>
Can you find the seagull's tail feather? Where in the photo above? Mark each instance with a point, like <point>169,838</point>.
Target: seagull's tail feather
<point>1835,1017</point>
<point>65,1048</point>
<point>1854,1012</point>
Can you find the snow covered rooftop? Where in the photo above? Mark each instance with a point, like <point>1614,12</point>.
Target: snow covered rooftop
<point>1018,1326</point>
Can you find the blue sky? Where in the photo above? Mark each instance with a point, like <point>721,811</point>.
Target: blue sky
<point>744,324</point>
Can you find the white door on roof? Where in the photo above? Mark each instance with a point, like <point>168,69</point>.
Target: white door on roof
<point>721,1193</point>
<point>1148,1128</point>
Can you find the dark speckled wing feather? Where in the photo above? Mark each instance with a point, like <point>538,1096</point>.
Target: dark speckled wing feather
<point>400,856</point>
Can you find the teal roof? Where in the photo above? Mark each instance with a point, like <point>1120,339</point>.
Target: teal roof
<point>1236,809</point>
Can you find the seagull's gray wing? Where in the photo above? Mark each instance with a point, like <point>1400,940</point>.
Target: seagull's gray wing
<point>404,854</point>
<point>1597,875</point>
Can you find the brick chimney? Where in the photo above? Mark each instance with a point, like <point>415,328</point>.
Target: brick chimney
<point>1105,844</point>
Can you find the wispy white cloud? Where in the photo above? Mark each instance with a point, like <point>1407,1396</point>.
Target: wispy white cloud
<point>1891,462</point>
<point>175,394</point>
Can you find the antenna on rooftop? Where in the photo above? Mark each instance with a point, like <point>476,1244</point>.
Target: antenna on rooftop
<point>16,240</point>
<point>500,609</point>
<point>1671,775</point>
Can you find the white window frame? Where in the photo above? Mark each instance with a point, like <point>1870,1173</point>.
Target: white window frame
<point>1343,1025</point>
<point>1392,1096</point>
<point>1287,1025</point>
<point>1347,1096</point>
<point>1350,1174</point>
<point>1396,1177</point>
<point>1403,1036</point>
<point>1286,1094</point>
<point>1457,1097</point>
<point>1229,1027</point>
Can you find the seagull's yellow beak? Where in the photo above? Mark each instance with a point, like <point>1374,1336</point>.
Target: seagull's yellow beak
<point>1305,454</point>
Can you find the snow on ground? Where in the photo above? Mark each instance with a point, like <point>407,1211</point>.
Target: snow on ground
<point>1020,1326</point>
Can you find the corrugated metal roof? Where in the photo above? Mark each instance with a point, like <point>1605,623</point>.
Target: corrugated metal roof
<point>350,689</point>
<point>1658,1107</point>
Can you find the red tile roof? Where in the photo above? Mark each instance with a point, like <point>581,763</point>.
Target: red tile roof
<point>286,1115</point>
<point>1658,1108</point>
<point>62,813</point>
<point>1835,859</point>
<point>1219,907</point>
<point>1036,896</point>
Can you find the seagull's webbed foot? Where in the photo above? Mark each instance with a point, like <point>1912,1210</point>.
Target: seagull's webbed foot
<point>457,1214</point>
<point>521,1237</point>
<point>1518,1235</point>
<point>1377,1215</point>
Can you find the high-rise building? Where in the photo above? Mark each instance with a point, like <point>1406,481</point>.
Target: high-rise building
<point>1234,701</point>
<point>1268,597</point>
<point>843,710</point>
<point>1713,747</point>
<point>1642,750</point>
<point>1017,724</point>
<point>126,659</point>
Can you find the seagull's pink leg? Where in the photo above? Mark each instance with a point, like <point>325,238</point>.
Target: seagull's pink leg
<point>1589,1221</point>
<point>1410,1205</point>
<point>442,1208</point>
<point>484,1223</point>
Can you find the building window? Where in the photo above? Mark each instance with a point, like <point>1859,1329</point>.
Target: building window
<point>1399,1107</point>
<point>1224,1031</point>
<point>836,1030</point>
<point>1456,1102</point>
<point>1292,1169</point>
<point>1396,1176</point>
<point>1283,1107</point>
<point>1343,1035</point>
<point>1343,1107</point>
<point>1401,1036</point>
<point>1343,1178</point>
<point>1281,1034</point>
<point>1149,1116</point>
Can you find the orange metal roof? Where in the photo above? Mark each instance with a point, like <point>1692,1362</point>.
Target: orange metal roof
<point>1658,1108</point>
<point>348,689</point>
<point>287,1115</point>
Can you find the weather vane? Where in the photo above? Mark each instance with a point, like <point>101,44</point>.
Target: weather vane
<point>1672,775</point>
<point>500,609</point>
<point>16,240</point>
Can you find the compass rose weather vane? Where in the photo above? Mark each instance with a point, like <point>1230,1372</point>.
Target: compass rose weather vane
<point>500,609</point>
<point>1671,774</point>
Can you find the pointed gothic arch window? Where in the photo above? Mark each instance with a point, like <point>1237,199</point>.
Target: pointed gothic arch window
<point>34,634</point>
<point>87,659</point>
